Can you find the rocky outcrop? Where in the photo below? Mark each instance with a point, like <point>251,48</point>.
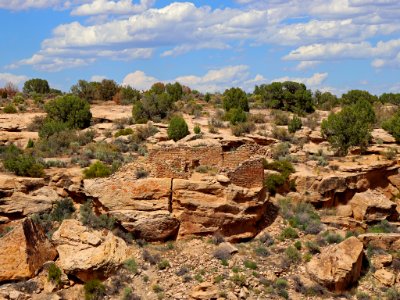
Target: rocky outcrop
<point>161,208</point>
<point>338,266</point>
<point>88,254</point>
<point>142,206</point>
<point>23,251</point>
<point>24,204</point>
<point>385,277</point>
<point>207,207</point>
<point>204,291</point>
<point>339,186</point>
<point>385,241</point>
<point>372,206</point>
<point>11,183</point>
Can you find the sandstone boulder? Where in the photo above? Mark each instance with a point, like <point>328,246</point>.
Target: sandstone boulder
<point>23,204</point>
<point>338,266</point>
<point>371,206</point>
<point>385,241</point>
<point>385,277</point>
<point>206,207</point>
<point>143,206</point>
<point>23,251</point>
<point>206,291</point>
<point>88,254</point>
<point>380,135</point>
<point>381,260</point>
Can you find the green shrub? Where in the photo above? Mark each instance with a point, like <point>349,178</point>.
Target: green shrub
<point>21,164</point>
<point>393,126</point>
<point>94,290</point>
<point>281,118</point>
<point>301,215</point>
<point>294,124</point>
<point>54,274</point>
<point>281,283</point>
<point>239,279</point>
<point>30,144</point>
<point>131,265</point>
<point>197,129</point>
<point>285,167</point>
<point>280,150</point>
<point>162,265</point>
<point>98,169</point>
<point>121,132</point>
<point>289,233</point>
<point>297,245</point>
<point>273,182</point>
<point>313,247</point>
<point>235,98</point>
<point>10,109</point>
<point>177,128</point>
<point>250,265</point>
<point>383,227</point>
<point>333,238</point>
<point>292,254</point>
<point>51,127</point>
<point>242,128</point>
<point>62,210</point>
<point>36,85</point>
<point>363,296</point>
<point>88,218</point>
<point>235,116</point>
<point>350,127</point>
<point>71,110</point>
<point>392,294</point>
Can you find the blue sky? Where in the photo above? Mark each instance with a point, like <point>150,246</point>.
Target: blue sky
<point>332,45</point>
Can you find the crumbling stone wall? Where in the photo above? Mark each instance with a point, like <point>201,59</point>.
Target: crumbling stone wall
<point>178,162</point>
<point>233,158</point>
<point>249,174</point>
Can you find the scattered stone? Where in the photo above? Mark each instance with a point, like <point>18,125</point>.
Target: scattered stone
<point>88,254</point>
<point>205,290</point>
<point>23,251</point>
<point>371,205</point>
<point>385,277</point>
<point>338,266</point>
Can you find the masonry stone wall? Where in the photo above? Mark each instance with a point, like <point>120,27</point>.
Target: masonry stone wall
<point>180,162</point>
<point>231,159</point>
<point>249,174</point>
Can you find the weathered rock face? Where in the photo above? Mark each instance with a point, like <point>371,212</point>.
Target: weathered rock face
<point>142,206</point>
<point>23,251</point>
<point>338,266</point>
<point>372,206</point>
<point>161,208</point>
<point>88,254</point>
<point>386,241</point>
<point>24,204</point>
<point>208,207</point>
<point>340,186</point>
<point>385,277</point>
<point>11,183</point>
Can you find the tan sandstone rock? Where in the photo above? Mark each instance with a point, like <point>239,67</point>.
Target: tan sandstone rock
<point>23,204</point>
<point>386,241</point>
<point>143,206</point>
<point>207,207</point>
<point>385,277</point>
<point>88,254</point>
<point>23,251</point>
<point>339,265</point>
<point>205,290</point>
<point>371,206</point>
